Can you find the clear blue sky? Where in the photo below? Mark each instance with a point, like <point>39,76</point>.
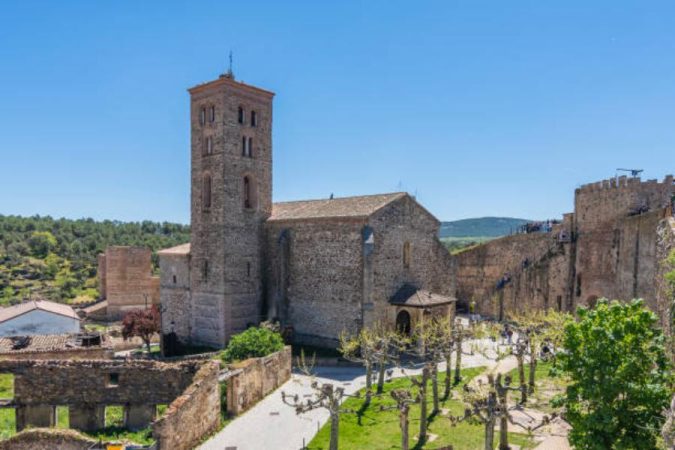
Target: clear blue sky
<point>481,108</point>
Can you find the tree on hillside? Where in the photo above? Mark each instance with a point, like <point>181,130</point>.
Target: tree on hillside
<point>41,243</point>
<point>616,360</point>
<point>143,323</point>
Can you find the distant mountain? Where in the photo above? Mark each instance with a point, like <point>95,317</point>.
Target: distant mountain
<point>481,227</point>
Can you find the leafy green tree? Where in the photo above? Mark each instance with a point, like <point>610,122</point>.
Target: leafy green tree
<point>616,359</point>
<point>252,343</point>
<point>41,243</point>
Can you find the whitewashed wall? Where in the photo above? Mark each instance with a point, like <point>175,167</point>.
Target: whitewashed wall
<point>39,322</point>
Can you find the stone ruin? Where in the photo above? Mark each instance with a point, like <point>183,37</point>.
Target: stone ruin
<point>190,389</point>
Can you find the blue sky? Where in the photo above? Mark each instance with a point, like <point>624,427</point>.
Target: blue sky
<point>479,107</point>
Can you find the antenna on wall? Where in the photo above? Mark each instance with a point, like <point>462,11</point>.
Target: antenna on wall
<point>634,172</point>
<point>230,73</point>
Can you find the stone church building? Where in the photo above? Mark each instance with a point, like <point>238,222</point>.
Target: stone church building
<point>320,267</point>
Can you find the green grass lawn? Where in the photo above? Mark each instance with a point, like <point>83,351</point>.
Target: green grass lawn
<point>374,429</point>
<point>6,385</point>
<point>7,423</point>
<point>546,387</point>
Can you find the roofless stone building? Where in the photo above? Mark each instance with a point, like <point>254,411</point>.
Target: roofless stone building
<point>320,267</point>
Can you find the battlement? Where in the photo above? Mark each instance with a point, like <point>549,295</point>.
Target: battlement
<point>625,183</point>
<point>609,200</point>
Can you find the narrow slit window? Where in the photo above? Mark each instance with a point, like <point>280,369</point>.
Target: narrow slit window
<point>250,148</point>
<point>206,191</point>
<point>254,119</point>
<point>240,115</point>
<point>202,116</point>
<point>406,255</point>
<point>205,270</point>
<point>247,193</point>
<point>212,114</point>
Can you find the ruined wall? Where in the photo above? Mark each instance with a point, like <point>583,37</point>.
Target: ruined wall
<point>48,439</point>
<point>664,292</point>
<point>80,353</point>
<point>324,276</point>
<point>56,382</point>
<point>126,281</point>
<point>194,414</point>
<point>87,387</point>
<point>175,294</point>
<point>254,378</point>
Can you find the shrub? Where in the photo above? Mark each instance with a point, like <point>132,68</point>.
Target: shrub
<point>252,343</point>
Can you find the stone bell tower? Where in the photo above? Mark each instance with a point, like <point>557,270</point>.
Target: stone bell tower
<point>231,179</point>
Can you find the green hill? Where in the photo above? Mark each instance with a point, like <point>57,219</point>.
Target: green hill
<point>486,227</point>
<point>55,259</point>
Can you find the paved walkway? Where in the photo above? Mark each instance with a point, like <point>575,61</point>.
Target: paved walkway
<point>271,424</point>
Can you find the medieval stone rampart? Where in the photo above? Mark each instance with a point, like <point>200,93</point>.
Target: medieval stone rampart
<point>606,248</point>
<point>254,378</point>
<point>664,292</point>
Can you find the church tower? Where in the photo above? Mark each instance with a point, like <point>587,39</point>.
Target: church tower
<point>231,178</point>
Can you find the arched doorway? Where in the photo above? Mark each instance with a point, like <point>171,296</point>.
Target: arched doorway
<point>403,322</point>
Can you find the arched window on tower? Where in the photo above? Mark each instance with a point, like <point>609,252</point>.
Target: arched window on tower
<point>208,145</point>
<point>206,191</point>
<point>202,116</point>
<point>212,114</point>
<point>249,193</point>
<point>406,255</point>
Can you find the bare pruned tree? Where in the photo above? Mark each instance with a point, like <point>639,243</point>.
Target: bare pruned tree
<point>404,398</point>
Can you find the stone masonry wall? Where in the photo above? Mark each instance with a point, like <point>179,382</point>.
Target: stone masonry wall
<point>324,278</point>
<point>126,280</point>
<point>196,413</point>
<point>227,237</point>
<point>480,268</point>
<point>254,378</point>
<point>612,253</point>
<point>175,295</point>
<point>55,382</point>
<point>664,292</point>
<point>393,226</point>
<point>48,439</point>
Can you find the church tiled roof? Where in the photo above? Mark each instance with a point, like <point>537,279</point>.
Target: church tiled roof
<point>346,207</point>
